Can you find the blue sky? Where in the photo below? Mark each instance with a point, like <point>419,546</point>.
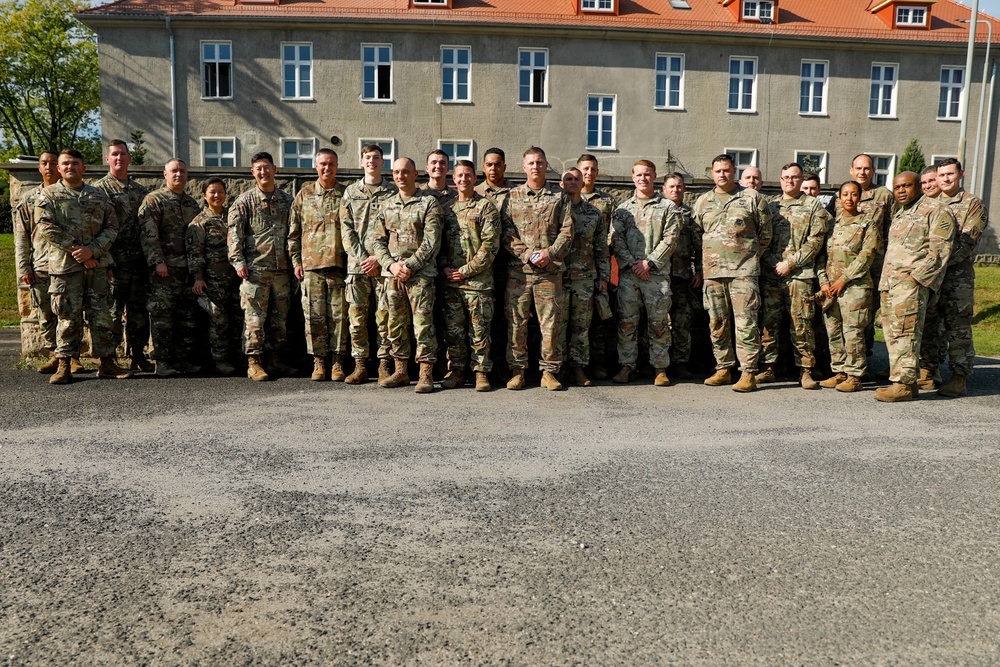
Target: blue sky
<point>991,7</point>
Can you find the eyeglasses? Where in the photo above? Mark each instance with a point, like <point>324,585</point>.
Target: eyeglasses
<point>791,178</point>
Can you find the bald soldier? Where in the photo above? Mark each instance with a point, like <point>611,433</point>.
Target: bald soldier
<point>917,251</point>
<point>752,178</point>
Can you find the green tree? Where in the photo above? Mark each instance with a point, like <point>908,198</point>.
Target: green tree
<point>49,89</point>
<point>913,158</point>
<point>138,150</point>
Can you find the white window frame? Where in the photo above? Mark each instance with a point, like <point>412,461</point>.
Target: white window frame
<point>758,10</point>
<point>532,68</point>
<point>314,146</point>
<point>597,6</point>
<point>742,79</point>
<point>740,166</point>
<point>905,16</point>
<point>667,75</point>
<point>884,175</point>
<point>824,157</point>
<point>388,155</point>
<point>376,63</point>
<point>453,71</point>
<point>452,155</point>
<point>935,159</point>
<point>602,115</point>
<point>951,93</point>
<point>811,82</point>
<point>882,83</point>
<point>216,62</point>
<point>298,79</point>
<point>430,3</point>
<point>219,155</point>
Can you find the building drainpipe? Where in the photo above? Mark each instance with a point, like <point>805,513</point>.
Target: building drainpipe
<point>173,90</point>
<point>989,122</point>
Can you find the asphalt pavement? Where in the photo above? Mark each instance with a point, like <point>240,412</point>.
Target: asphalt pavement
<point>215,521</point>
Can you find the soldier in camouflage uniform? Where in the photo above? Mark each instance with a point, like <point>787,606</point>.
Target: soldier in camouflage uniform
<point>469,246</point>
<point>928,181</point>
<point>934,345</point>
<point>685,279</point>
<point>207,249</point>
<point>752,178</point>
<point>603,333</point>
<point>258,238</point>
<point>734,225</point>
<point>843,269</point>
<point>588,271</point>
<point>437,168</point>
<point>538,234</point>
<point>164,215</point>
<point>365,284</point>
<point>317,252</point>
<point>646,231</point>
<point>919,245</point>
<point>79,223</point>
<point>788,274</point>
<point>406,238</point>
<point>31,256</point>
<point>497,189</point>
<point>128,288</point>
<point>957,292</point>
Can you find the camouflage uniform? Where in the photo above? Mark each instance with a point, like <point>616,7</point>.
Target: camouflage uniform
<point>258,238</point>
<point>358,207</point>
<point>315,245</point>
<point>798,227</point>
<point>208,260</point>
<point>686,261</point>
<point>919,245</point>
<point>443,197</point>
<point>587,263</point>
<point>499,195</point>
<point>603,332</point>
<point>470,243</point>
<point>31,254</point>
<point>955,298</point>
<point>128,288</point>
<point>645,229</point>
<point>165,216</point>
<point>735,230</point>
<point>410,232</point>
<point>536,220</point>
<point>85,217</point>
<point>848,251</point>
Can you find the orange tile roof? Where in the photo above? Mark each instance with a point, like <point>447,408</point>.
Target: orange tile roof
<point>838,19</point>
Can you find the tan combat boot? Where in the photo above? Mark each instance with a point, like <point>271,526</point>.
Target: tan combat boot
<point>767,375</point>
<point>255,371</point>
<point>400,378</point>
<point>954,387</point>
<point>63,374</point>
<point>580,378</point>
<point>76,366</point>
<point>806,379</point>
<point>482,382</point>
<point>517,379</point>
<point>661,378</point>
<point>384,370</point>
<point>50,366</point>
<point>142,364</point>
<point>110,370</point>
<point>453,378</point>
<point>319,369</point>
<point>550,381</point>
<point>425,383</point>
<point>926,380</point>
<point>896,393</point>
<point>337,369</point>
<point>625,375</point>
<point>721,377</point>
<point>746,383</point>
<point>850,384</point>
<point>833,380</point>
<point>360,374</point>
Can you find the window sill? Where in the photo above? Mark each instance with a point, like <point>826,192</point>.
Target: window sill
<point>458,102</point>
<point>298,99</point>
<point>376,100</point>
<point>870,117</point>
<point>533,104</point>
<point>216,99</point>
<point>656,108</point>
<point>606,149</point>
<point>949,120</point>
<point>820,114</point>
<point>744,112</point>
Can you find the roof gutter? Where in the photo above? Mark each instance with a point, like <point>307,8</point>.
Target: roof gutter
<point>173,89</point>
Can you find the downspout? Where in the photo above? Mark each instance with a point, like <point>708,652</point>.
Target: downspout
<point>989,122</point>
<point>173,90</point>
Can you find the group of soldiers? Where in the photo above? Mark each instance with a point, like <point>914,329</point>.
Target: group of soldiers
<point>139,264</point>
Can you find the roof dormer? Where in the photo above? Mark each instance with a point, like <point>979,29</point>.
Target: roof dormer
<point>430,4</point>
<point>598,7</point>
<point>753,11</point>
<point>905,14</point>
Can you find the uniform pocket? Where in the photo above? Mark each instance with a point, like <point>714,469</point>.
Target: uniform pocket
<point>57,297</point>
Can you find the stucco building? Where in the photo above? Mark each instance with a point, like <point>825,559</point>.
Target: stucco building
<point>679,81</point>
